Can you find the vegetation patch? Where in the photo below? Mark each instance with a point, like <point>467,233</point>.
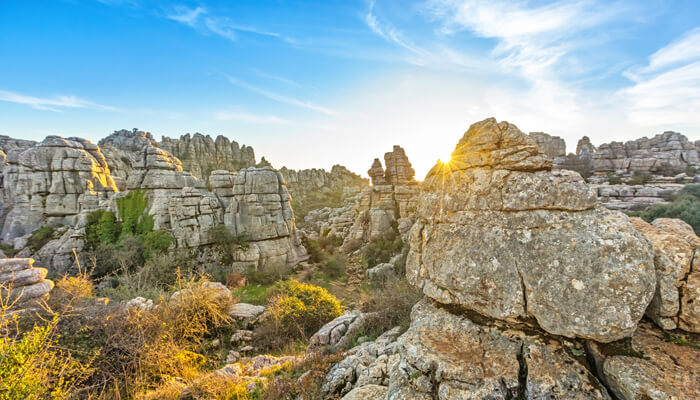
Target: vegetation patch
<point>685,206</point>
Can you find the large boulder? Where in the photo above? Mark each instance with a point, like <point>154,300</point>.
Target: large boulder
<point>21,282</point>
<point>500,233</point>
<point>676,302</point>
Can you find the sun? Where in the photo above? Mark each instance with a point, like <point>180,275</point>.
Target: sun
<point>445,160</point>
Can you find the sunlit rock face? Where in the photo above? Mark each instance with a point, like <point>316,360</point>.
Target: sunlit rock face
<point>200,154</point>
<point>52,183</point>
<point>389,205</point>
<point>500,233</point>
<point>21,282</point>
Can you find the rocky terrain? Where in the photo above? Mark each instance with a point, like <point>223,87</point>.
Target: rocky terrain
<point>201,155</point>
<point>524,278</point>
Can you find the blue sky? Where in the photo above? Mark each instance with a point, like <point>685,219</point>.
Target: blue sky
<point>314,83</point>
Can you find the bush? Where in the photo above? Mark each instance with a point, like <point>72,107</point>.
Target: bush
<point>40,237</point>
<point>132,212</point>
<point>335,265</point>
<point>226,243</point>
<point>108,229</point>
<point>267,275</point>
<point>639,178</point>
<point>691,190</point>
<point>392,303</point>
<point>156,242</point>
<point>381,250</point>
<point>613,179</point>
<point>685,207</point>
<point>297,311</point>
<point>691,171</point>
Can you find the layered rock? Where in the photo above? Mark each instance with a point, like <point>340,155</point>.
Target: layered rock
<point>20,281</point>
<point>553,147</point>
<point>676,302</point>
<point>444,355</point>
<point>52,183</point>
<point>387,208</point>
<point>652,368</point>
<point>635,197</point>
<point>256,204</point>
<point>200,155</point>
<point>502,234</point>
<point>581,161</point>
<point>306,183</point>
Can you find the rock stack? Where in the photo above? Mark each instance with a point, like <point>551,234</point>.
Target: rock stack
<point>516,261</point>
<point>22,281</point>
<point>387,208</point>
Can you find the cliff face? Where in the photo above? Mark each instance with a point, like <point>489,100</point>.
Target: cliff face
<point>305,182</point>
<point>58,181</point>
<point>200,155</point>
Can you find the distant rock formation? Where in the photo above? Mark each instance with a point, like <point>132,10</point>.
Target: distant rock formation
<point>305,182</point>
<point>551,146</point>
<point>668,154</point>
<point>200,154</point>
<point>388,206</point>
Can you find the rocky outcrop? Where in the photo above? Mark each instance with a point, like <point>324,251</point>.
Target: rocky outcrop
<point>652,368</point>
<point>551,146</point>
<point>200,155</point>
<point>445,355</point>
<point>387,208</point>
<point>499,232</point>
<point>669,153</point>
<point>306,183</point>
<point>676,302</point>
<point>635,197</point>
<point>21,282</point>
<point>52,183</point>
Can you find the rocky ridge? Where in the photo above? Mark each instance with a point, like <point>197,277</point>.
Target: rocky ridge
<point>201,155</point>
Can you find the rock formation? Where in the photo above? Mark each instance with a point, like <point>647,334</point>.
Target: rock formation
<point>582,161</point>
<point>388,206</point>
<point>52,183</point>
<point>200,155</point>
<point>676,302</point>
<point>502,234</point>
<point>21,282</point>
<point>551,146</point>
<point>306,183</point>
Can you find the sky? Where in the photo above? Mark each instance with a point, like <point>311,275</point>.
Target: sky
<point>310,84</point>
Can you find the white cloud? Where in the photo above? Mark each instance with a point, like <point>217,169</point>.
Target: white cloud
<point>187,16</point>
<point>282,98</point>
<point>50,104</point>
<point>201,19</point>
<point>686,48</point>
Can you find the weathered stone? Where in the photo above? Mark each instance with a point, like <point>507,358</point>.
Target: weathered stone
<point>369,392</point>
<point>653,368</point>
<point>20,282</point>
<point>247,314</point>
<point>447,356</point>
<point>398,168</point>
<point>675,246</point>
<point>514,239</point>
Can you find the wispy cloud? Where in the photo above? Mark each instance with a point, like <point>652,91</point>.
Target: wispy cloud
<point>666,90</point>
<point>51,104</point>
<point>187,16</point>
<point>202,19</point>
<point>282,98</point>
<point>277,78</point>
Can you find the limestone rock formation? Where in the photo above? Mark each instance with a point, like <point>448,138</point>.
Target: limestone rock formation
<point>500,233</point>
<point>306,183</point>
<point>21,282</point>
<point>52,183</point>
<point>653,368</point>
<point>677,298</point>
<point>376,173</point>
<point>551,146</point>
<point>200,155</point>
<point>635,197</point>
<point>387,208</point>
<point>448,356</point>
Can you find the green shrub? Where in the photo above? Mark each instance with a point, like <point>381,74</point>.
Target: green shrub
<point>40,237</point>
<point>132,212</point>
<point>32,366</point>
<point>266,275</point>
<point>685,207</point>
<point>8,249</point>
<point>691,190</point>
<point>108,229</point>
<point>335,265</point>
<point>639,178</point>
<point>226,243</point>
<point>156,242</point>
<point>381,250</point>
<point>613,179</point>
<point>296,312</point>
